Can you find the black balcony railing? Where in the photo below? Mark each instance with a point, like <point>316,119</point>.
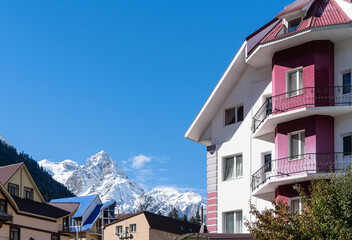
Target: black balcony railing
<point>305,97</point>
<point>296,165</point>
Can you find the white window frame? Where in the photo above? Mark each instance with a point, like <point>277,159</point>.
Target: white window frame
<point>131,228</point>
<point>289,92</point>
<point>234,220</point>
<point>300,153</point>
<point>234,167</point>
<point>236,115</point>
<point>118,227</point>
<point>299,206</point>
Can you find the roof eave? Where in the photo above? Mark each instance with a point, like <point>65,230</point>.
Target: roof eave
<point>201,122</point>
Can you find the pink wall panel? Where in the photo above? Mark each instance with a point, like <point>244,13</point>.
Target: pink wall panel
<point>316,58</point>
<point>211,201</point>
<point>211,221</point>
<point>211,195</point>
<point>211,208</point>
<point>211,215</point>
<point>211,229</point>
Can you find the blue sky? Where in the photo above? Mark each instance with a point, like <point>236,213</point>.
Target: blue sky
<point>127,77</point>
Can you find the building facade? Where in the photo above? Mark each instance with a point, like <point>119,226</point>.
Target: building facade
<point>87,216</point>
<point>281,114</point>
<point>147,226</point>
<point>23,212</point>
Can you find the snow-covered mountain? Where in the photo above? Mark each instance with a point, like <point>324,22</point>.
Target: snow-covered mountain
<point>101,175</point>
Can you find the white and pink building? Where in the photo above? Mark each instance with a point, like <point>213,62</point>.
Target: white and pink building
<point>281,114</point>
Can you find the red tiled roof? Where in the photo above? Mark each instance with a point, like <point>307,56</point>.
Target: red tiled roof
<point>298,4</point>
<point>321,13</point>
<point>6,172</point>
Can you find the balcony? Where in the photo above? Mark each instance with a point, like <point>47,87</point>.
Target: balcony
<point>333,101</point>
<point>297,168</point>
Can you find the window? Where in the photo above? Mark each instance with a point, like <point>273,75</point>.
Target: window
<point>13,189</point>
<point>3,205</point>
<point>293,24</point>
<point>269,105</point>
<point>296,145</point>
<point>65,224</point>
<point>133,228</point>
<point>233,167</point>
<point>119,229</point>
<point>295,205</point>
<point>346,82</point>
<point>347,146</point>
<point>28,193</point>
<point>233,222</point>
<point>294,82</point>
<point>14,233</point>
<point>109,214</point>
<point>232,114</point>
<point>267,162</point>
<point>55,237</point>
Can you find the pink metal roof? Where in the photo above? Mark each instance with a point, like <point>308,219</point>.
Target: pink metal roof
<point>6,172</point>
<point>321,13</point>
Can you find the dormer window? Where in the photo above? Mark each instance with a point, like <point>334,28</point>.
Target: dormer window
<point>293,24</point>
<point>290,25</point>
<point>28,193</point>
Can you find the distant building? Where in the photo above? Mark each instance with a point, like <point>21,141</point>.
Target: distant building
<point>147,226</point>
<point>281,113</point>
<point>87,216</point>
<point>23,212</point>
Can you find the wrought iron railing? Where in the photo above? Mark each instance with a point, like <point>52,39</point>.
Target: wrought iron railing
<point>305,97</point>
<point>296,165</point>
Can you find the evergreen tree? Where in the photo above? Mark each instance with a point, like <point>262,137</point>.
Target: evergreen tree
<point>184,218</point>
<point>198,219</point>
<point>193,220</point>
<point>173,214</point>
<point>49,188</point>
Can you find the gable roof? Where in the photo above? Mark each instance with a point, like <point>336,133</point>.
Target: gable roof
<point>38,208</point>
<point>161,223</point>
<point>321,13</point>
<point>171,225</point>
<point>84,203</point>
<point>6,172</point>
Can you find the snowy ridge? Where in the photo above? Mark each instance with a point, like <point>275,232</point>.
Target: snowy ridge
<point>101,175</point>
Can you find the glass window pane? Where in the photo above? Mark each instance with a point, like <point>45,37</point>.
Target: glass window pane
<point>229,222</point>
<point>294,141</point>
<point>239,222</point>
<point>230,116</point>
<point>239,113</point>
<point>293,81</point>
<point>267,162</point>
<point>229,164</point>
<point>347,145</point>
<point>346,78</point>
<point>239,166</point>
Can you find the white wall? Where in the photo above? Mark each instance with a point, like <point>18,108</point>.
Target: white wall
<point>234,195</point>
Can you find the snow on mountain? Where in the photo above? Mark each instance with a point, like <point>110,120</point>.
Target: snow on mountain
<point>163,199</point>
<point>101,175</point>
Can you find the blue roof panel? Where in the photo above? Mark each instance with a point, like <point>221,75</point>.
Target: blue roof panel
<point>84,203</point>
<point>107,204</point>
<point>92,218</point>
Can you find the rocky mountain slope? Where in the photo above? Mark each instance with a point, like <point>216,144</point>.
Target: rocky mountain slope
<point>101,175</point>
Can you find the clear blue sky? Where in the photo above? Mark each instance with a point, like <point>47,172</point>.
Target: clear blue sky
<point>127,77</point>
